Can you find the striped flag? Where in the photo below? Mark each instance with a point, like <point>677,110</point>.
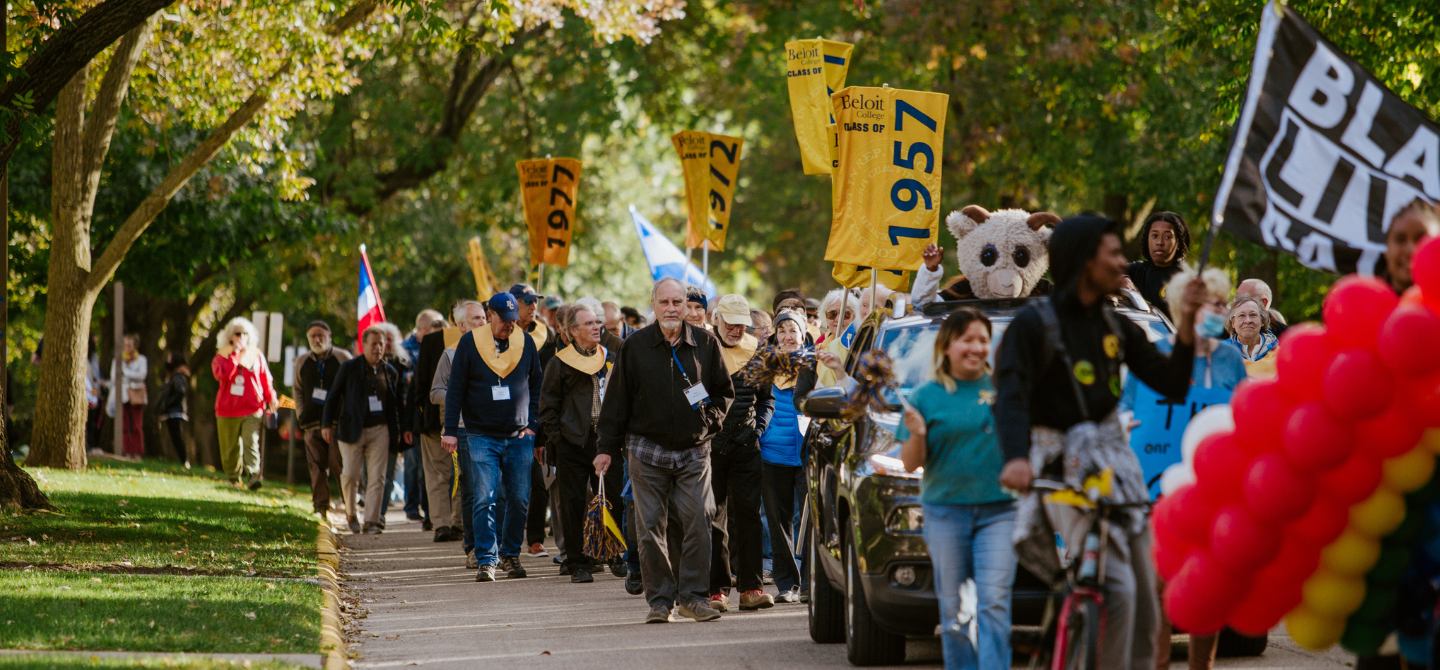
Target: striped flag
<point>367,307</point>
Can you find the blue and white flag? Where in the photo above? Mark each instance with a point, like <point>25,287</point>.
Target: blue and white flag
<point>666,259</point>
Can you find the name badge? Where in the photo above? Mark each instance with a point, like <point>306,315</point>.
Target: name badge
<point>238,388</point>
<point>696,394</point>
<point>319,395</point>
<point>375,404</point>
<point>501,392</point>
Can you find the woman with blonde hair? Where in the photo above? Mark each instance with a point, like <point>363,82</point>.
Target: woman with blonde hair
<point>1250,322</point>
<point>247,392</point>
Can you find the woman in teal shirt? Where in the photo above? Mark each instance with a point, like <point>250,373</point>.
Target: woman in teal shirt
<point>968,519</point>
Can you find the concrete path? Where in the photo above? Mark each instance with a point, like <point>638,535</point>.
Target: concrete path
<point>425,609</point>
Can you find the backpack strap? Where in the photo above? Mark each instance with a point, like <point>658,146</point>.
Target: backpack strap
<point>1054,346</point>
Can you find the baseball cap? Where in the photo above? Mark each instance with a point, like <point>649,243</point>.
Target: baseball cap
<point>504,306</point>
<point>523,293</point>
<point>553,301</point>
<point>734,310</point>
<point>812,305</point>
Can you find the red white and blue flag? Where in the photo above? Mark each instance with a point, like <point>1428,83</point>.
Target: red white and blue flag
<point>367,306</point>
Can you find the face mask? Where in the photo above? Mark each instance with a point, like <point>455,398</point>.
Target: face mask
<point>1212,326</point>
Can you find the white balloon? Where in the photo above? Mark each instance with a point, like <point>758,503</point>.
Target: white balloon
<point>1206,422</point>
<point>1176,476</point>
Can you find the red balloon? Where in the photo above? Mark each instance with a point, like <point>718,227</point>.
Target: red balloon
<point>1220,468</point>
<point>1276,492</point>
<point>1422,397</point>
<point>1315,441</point>
<point>1407,342</point>
<point>1355,308</point>
<point>1241,542</point>
<point>1353,481</point>
<point>1301,359</point>
<point>1266,604</point>
<point>1321,525</point>
<point>1393,433</point>
<point>1296,562</point>
<point>1192,516</point>
<point>1204,593</point>
<point>1425,266</point>
<point>1169,559</point>
<point>1411,296</point>
<point>1357,386</point>
<point>1163,524</point>
<point>1260,410</point>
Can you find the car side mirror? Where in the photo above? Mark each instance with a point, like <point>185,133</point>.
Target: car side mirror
<point>825,403</point>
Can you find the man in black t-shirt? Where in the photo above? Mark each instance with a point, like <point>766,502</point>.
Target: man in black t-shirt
<point>1165,241</point>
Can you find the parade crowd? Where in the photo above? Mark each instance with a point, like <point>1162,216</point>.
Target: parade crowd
<point>511,415</point>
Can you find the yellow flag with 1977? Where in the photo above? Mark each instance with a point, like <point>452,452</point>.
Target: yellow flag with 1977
<point>887,183</point>
<point>548,187</point>
<point>711,164</point>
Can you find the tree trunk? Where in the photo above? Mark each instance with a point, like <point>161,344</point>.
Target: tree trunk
<point>17,489</point>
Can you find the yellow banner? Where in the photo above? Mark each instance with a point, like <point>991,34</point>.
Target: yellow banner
<point>887,185</point>
<point>486,284</point>
<point>854,276</point>
<point>711,164</point>
<point>548,187</point>
<point>814,70</point>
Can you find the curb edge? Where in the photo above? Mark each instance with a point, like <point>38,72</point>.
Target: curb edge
<point>332,630</point>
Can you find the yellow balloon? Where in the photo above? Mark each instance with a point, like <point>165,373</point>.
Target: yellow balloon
<point>1313,631</point>
<point>1351,555</point>
<point>1410,471</point>
<point>1431,439</point>
<point>1332,595</point>
<point>1379,515</point>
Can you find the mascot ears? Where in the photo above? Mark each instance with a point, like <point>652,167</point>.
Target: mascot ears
<point>964,221</point>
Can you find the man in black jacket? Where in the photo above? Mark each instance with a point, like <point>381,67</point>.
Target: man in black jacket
<point>735,469</point>
<point>570,402</point>
<point>315,372</point>
<point>439,467</point>
<point>362,412</point>
<point>666,399</point>
<point>1058,383</point>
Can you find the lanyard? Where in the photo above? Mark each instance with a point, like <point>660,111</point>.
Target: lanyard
<point>320,365</point>
<point>682,368</point>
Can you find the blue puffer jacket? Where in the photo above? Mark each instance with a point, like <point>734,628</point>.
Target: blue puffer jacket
<point>780,444</point>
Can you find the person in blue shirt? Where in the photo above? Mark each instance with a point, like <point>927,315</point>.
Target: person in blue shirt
<point>495,382</point>
<point>782,472</point>
<point>949,430</point>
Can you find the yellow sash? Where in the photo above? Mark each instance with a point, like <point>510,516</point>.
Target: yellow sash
<point>813,331</point>
<point>501,363</point>
<point>737,356</point>
<point>452,337</point>
<point>587,364</point>
<point>540,334</point>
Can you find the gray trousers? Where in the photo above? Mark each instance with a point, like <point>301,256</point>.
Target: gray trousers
<point>685,493</point>
<point>1132,609</point>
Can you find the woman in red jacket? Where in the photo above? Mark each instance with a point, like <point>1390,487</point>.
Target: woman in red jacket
<point>247,392</point>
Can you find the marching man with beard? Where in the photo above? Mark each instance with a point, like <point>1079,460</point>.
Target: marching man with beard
<point>315,372</point>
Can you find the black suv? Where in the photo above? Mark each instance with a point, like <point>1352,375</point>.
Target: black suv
<point>870,575</point>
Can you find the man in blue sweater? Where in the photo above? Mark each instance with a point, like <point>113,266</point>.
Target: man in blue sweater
<point>495,382</point>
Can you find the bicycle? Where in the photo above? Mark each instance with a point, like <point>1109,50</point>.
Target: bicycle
<point>1077,629</point>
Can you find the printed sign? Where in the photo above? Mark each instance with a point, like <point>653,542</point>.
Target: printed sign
<point>814,70</point>
<point>711,163</point>
<point>549,187</point>
<point>1156,441</point>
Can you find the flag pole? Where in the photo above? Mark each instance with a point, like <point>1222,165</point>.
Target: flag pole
<point>1210,233</point>
<point>540,280</point>
<point>705,260</point>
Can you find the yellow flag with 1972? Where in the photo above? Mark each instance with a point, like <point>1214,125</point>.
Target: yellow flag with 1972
<point>711,164</point>
<point>887,183</point>
<point>815,69</point>
<point>548,187</point>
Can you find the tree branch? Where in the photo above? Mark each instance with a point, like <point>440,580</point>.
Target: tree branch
<point>106,111</point>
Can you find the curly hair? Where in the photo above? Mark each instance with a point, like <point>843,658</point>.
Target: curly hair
<point>1182,235</point>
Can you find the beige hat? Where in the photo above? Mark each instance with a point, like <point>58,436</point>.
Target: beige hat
<point>734,310</point>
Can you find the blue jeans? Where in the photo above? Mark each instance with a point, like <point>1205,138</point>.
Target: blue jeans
<point>965,542</point>
<point>499,462</point>
<point>467,491</point>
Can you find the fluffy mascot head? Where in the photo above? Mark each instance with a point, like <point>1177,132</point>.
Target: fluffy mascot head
<point>1004,254</point>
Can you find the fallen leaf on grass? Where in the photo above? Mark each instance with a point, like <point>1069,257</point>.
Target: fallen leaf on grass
<point>193,606</point>
<point>250,616</point>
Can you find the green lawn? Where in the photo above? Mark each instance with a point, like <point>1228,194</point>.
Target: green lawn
<point>156,515</point>
<point>19,662</point>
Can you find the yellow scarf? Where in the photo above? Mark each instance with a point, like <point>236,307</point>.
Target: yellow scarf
<point>783,383</point>
<point>452,337</point>
<point>501,363</point>
<point>587,364</point>
<point>540,334</point>
<point>737,356</point>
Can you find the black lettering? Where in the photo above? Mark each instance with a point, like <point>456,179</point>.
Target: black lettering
<point>1344,170</point>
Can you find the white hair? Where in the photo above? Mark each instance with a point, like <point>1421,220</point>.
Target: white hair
<point>461,311</point>
<point>393,332</point>
<point>242,325</point>
<point>832,299</point>
<point>1261,289</point>
<point>591,304</point>
<point>656,288</point>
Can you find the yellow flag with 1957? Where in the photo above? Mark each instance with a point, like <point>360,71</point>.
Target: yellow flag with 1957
<point>548,187</point>
<point>856,276</point>
<point>815,69</point>
<point>887,183</point>
<point>711,164</point>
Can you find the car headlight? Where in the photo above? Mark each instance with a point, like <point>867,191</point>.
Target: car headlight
<point>905,519</point>
<point>891,466</point>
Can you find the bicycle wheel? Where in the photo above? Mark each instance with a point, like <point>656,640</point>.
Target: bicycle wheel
<point>1077,644</point>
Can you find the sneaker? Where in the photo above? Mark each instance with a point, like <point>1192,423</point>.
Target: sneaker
<point>442,534</point>
<point>536,550</point>
<point>698,610</point>
<point>557,560</point>
<point>354,525</point>
<point>658,614</point>
<point>485,574</point>
<point>373,529</point>
<point>416,517</point>
<point>767,577</point>
<point>756,599</point>
<point>471,562</point>
<point>512,569</point>
<point>427,524</point>
<point>633,585</point>
<point>255,484</point>
<point>567,569</point>
<point>720,602</point>
<point>617,568</point>
<point>456,534</point>
<point>581,576</point>
<point>804,597</point>
<point>791,596</point>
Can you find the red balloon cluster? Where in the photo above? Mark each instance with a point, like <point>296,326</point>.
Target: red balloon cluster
<point>1238,545</point>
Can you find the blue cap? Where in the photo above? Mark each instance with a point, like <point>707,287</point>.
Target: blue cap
<point>523,293</point>
<point>553,301</point>
<point>504,306</point>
